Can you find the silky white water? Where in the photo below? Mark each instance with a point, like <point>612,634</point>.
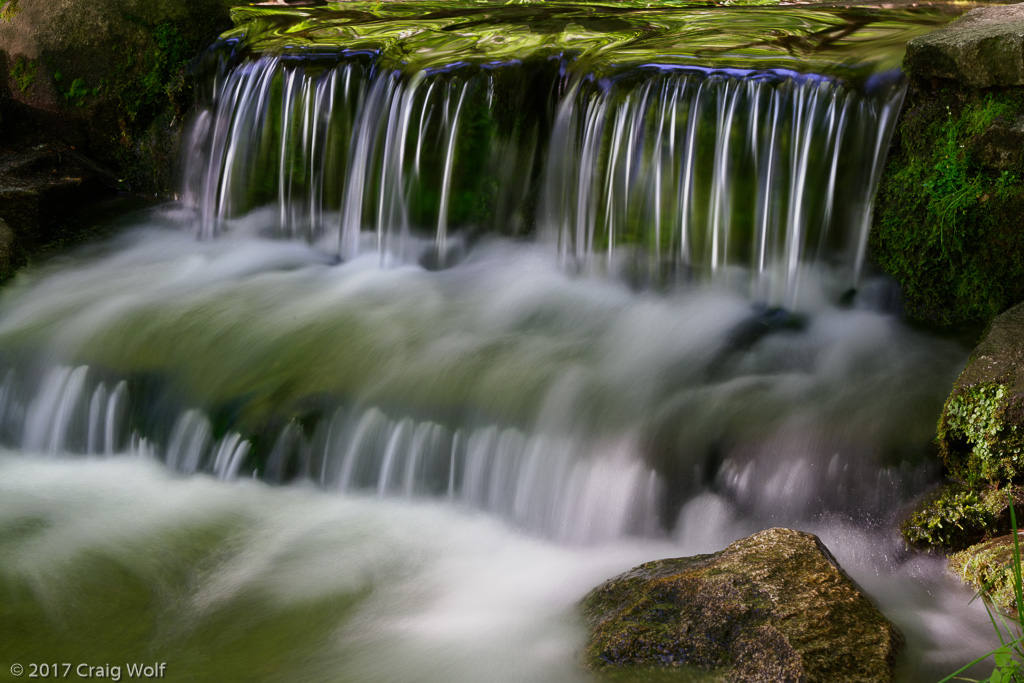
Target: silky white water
<point>117,560</point>
<point>464,453</point>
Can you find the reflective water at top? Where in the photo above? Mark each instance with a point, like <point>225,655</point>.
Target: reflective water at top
<point>810,36</point>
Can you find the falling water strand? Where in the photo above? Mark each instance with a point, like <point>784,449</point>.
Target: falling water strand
<point>690,148</point>
<point>659,162</point>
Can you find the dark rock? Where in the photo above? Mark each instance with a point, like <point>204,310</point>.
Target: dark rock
<point>950,200</point>
<point>981,431</point>
<point>42,194</point>
<point>107,77</point>
<point>775,606</point>
<point>8,251</point>
<point>984,48</point>
<point>1000,147</point>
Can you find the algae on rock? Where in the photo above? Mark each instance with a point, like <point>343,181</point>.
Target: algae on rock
<point>981,430</point>
<point>988,567</point>
<point>773,606</point>
<point>956,516</point>
<point>980,436</point>
<point>949,203</point>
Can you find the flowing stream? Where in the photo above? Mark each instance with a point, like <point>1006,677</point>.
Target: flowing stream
<point>464,310</point>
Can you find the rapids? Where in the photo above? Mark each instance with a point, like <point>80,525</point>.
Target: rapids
<point>462,311</point>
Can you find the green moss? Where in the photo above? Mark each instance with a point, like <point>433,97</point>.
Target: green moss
<point>9,9</point>
<point>958,516</point>
<point>142,83</point>
<point>768,607</point>
<point>79,91</point>
<point>976,442</point>
<point>954,518</point>
<point>947,213</point>
<point>988,568</point>
<point>24,73</point>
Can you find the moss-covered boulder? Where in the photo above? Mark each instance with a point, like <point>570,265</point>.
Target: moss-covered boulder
<point>983,48</point>
<point>775,606</point>
<point>981,430</point>
<point>988,568</point>
<point>109,77</point>
<point>949,205</point>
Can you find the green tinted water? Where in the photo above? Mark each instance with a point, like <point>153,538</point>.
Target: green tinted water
<point>754,34</point>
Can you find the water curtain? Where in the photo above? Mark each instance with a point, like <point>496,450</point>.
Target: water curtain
<point>682,169</point>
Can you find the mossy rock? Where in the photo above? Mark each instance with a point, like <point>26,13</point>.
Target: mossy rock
<point>988,568</point>
<point>110,77</point>
<point>775,606</point>
<point>949,203</point>
<point>956,517</point>
<point>981,430</point>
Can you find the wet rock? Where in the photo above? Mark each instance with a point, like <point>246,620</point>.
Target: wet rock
<point>8,251</point>
<point>981,430</point>
<point>1001,146</point>
<point>984,48</point>
<point>775,606</point>
<point>949,202</point>
<point>988,567</point>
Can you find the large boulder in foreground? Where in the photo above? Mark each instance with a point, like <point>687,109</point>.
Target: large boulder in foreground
<point>775,606</point>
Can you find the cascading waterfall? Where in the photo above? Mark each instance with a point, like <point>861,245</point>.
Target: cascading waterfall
<point>664,160</point>
<point>712,170</point>
<point>598,272</point>
<point>344,148</point>
<point>707,172</point>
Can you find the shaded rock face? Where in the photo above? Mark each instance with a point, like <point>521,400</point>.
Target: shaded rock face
<point>984,48</point>
<point>771,607</point>
<point>42,194</point>
<point>981,430</point>
<point>110,77</point>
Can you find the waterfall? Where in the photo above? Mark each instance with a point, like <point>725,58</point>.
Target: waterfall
<point>497,383</point>
<point>710,170</point>
<point>348,148</point>
<point>694,170</point>
<point>468,306</point>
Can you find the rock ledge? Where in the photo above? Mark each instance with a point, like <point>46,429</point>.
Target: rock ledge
<point>984,48</point>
